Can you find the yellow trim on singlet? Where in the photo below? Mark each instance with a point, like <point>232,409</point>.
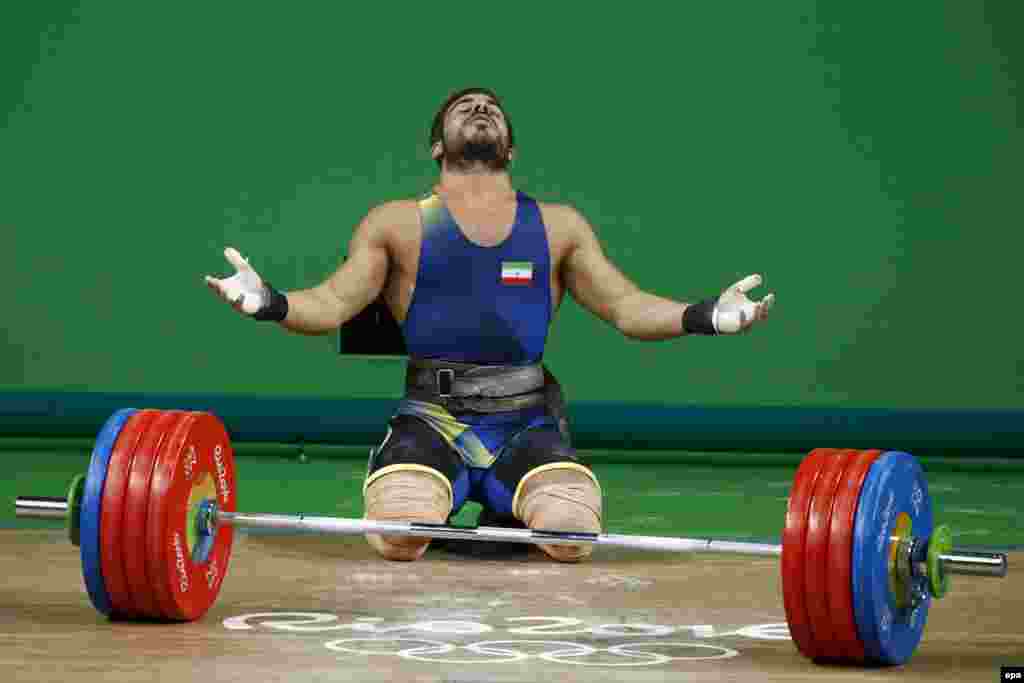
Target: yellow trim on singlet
<point>458,435</point>
<point>431,208</point>
<point>407,467</point>
<point>546,468</point>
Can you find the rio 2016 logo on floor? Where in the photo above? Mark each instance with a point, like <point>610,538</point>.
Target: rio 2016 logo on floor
<point>635,644</point>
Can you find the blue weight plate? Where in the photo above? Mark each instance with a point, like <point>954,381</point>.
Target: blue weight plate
<point>90,518</point>
<point>895,486</point>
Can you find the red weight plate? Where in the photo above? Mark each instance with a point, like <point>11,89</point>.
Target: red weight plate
<point>816,549</point>
<point>159,502</point>
<point>136,510</point>
<point>196,465</point>
<point>840,554</point>
<point>112,511</point>
<point>793,561</point>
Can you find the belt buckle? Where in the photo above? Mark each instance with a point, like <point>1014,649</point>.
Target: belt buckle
<point>445,380</point>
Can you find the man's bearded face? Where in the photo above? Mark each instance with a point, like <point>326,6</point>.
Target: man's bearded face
<point>476,134</point>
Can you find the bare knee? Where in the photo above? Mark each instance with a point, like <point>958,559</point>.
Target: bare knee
<point>561,499</point>
<point>405,494</point>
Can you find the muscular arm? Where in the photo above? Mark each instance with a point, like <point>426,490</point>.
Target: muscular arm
<point>604,291</point>
<point>352,287</point>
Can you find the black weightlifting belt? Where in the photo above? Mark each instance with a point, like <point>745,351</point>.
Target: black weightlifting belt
<point>465,387</point>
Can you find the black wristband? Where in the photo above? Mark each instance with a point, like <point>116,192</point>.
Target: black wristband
<point>699,318</point>
<point>276,306</point>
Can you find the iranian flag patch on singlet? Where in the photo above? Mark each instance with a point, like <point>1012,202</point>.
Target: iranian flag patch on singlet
<point>516,272</point>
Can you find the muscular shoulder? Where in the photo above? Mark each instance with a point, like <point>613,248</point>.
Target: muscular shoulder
<point>388,223</point>
<point>399,215</point>
<point>565,224</point>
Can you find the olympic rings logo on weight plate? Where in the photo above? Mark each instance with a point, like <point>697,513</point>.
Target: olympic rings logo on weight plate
<point>506,651</point>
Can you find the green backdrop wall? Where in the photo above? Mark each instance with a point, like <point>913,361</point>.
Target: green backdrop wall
<point>864,156</point>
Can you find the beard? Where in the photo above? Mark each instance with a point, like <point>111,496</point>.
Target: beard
<point>478,150</point>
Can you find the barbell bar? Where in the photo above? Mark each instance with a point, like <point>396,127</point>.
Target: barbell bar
<point>958,561</point>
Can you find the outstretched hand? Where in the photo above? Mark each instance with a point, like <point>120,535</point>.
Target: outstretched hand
<point>735,312</point>
<point>244,290</point>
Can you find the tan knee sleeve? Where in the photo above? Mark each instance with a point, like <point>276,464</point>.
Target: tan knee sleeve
<point>406,493</point>
<point>560,499</point>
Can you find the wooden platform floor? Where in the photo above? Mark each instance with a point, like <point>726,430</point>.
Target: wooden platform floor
<point>315,608</point>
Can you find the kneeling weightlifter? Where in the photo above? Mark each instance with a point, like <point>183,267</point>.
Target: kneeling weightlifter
<point>474,273</point>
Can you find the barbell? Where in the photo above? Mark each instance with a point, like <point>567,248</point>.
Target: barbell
<point>861,560</point>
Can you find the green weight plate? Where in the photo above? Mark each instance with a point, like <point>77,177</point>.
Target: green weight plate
<point>75,492</point>
<point>941,543</point>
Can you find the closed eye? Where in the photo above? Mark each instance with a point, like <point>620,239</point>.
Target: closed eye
<point>467,106</point>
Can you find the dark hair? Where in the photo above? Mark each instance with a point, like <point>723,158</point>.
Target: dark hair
<point>437,127</point>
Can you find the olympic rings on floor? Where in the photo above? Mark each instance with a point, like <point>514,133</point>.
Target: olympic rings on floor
<point>506,651</point>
